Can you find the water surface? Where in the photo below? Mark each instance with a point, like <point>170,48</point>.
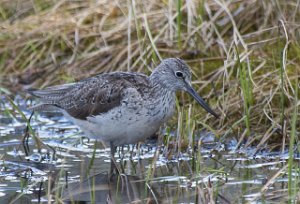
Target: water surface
<point>61,165</point>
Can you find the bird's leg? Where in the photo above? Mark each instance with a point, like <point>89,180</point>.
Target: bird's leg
<point>113,163</point>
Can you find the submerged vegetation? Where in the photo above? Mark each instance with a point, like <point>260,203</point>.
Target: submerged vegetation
<point>244,56</point>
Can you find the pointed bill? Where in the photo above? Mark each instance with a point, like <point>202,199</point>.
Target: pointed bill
<point>200,100</point>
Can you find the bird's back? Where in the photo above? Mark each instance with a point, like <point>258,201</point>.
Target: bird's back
<point>91,96</point>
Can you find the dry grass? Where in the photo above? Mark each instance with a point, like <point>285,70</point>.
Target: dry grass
<point>49,42</point>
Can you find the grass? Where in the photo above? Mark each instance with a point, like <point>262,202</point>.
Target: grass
<point>244,57</point>
<point>292,189</point>
<point>244,76</point>
<point>179,22</point>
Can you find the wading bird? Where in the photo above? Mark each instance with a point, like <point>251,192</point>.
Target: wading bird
<point>122,107</point>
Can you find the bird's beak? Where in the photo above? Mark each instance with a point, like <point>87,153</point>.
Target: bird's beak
<point>200,100</point>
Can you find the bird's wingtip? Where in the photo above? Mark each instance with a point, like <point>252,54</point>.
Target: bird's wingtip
<point>32,91</point>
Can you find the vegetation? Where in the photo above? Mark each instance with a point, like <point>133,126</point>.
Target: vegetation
<point>244,56</point>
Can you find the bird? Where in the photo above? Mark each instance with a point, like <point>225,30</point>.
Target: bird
<point>120,108</point>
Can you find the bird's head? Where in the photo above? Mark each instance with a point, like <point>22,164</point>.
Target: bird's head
<point>174,74</point>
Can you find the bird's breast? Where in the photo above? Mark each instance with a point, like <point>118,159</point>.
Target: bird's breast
<point>161,108</point>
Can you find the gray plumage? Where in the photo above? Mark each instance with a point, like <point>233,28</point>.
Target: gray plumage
<point>121,107</point>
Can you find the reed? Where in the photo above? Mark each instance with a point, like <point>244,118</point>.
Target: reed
<point>292,185</point>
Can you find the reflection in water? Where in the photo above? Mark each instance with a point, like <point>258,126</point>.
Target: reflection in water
<point>116,189</point>
<point>62,166</point>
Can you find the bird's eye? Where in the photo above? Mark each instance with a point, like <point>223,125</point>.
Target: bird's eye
<point>179,74</point>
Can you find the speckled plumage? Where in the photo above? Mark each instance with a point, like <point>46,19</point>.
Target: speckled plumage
<point>122,107</point>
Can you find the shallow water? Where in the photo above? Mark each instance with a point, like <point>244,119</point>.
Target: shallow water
<point>66,167</point>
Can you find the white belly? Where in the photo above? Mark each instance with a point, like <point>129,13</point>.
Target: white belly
<point>123,126</point>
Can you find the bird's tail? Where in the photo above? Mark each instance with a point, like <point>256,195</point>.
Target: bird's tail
<point>52,92</point>
<point>49,97</point>
<point>43,107</point>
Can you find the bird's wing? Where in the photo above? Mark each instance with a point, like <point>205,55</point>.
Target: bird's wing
<point>92,96</point>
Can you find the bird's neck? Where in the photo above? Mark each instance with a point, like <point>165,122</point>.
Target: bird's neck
<point>157,81</point>
<point>162,103</point>
<point>162,98</point>
<point>160,88</point>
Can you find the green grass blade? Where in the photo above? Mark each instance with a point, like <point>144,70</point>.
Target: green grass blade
<point>292,145</point>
